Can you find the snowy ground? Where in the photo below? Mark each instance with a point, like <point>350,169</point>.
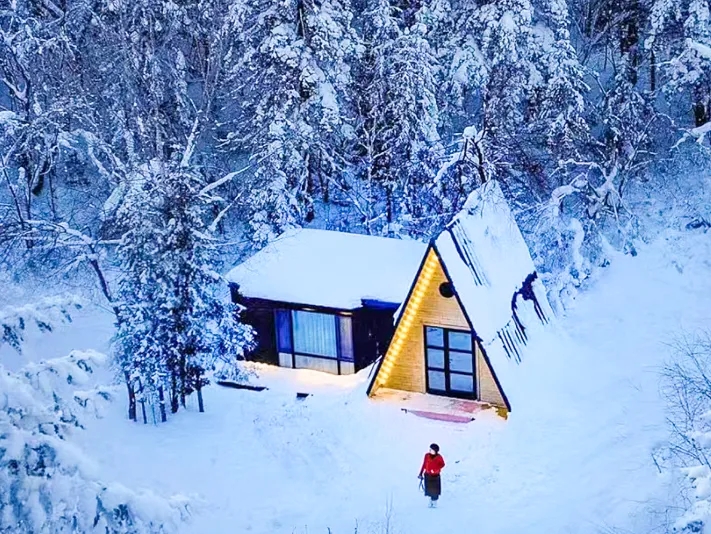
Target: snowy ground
<point>574,456</point>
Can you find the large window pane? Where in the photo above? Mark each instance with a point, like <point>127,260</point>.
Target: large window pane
<point>282,318</point>
<point>460,341</point>
<point>436,379</point>
<point>434,336</point>
<point>346,336</point>
<point>461,361</point>
<point>315,333</point>
<point>462,383</point>
<point>435,358</point>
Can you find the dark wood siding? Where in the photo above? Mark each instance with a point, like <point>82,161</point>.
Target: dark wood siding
<point>372,331</point>
<point>260,315</point>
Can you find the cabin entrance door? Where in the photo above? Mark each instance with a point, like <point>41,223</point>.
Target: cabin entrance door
<point>450,363</point>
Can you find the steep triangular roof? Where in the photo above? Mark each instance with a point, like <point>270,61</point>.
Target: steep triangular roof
<point>489,265</point>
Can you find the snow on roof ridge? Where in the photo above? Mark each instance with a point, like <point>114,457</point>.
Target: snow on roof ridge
<point>490,267</point>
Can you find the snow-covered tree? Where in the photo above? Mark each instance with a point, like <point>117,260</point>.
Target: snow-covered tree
<point>173,327</point>
<point>558,114</point>
<point>398,135</point>
<point>513,74</point>
<point>686,388</point>
<point>681,32</point>
<point>43,106</point>
<point>296,109</point>
<point>48,484</point>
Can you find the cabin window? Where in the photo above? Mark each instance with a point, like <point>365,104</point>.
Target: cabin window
<point>312,340</point>
<point>315,334</point>
<point>450,362</point>
<point>283,330</point>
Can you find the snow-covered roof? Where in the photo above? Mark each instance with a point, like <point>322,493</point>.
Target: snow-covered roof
<point>330,269</point>
<point>489,265</point>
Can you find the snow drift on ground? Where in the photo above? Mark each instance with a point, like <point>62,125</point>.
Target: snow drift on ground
<point>574,456</point>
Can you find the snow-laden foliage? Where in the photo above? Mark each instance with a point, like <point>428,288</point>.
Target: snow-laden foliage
<point>50,485</point>
<point>681,37</point>
<point>399,138</point>
<point>45,315</point>
<point>513,67</point>
<point>173,325</point>
<point>345,113</point>
<point>295,111</point>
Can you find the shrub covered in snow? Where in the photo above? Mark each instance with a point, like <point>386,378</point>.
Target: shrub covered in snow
<point>45,315</point>
<point>48,484</point>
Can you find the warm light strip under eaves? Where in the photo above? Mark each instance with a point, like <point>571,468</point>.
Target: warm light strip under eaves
<point>407,319</point>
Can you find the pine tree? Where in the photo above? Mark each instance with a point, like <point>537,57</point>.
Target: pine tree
<point>681,31</point>
<point>399,138</point>
<point>559,114</point>
<point>295,122</point>
<point>513,74</point>
<point>173,328</point>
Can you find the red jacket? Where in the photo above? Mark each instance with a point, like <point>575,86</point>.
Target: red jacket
<point>432,465</point>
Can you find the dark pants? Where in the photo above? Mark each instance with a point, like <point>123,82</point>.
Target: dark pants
<point>433,486</point>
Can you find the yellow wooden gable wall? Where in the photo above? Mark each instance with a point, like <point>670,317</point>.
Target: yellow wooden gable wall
<point>403,367</point>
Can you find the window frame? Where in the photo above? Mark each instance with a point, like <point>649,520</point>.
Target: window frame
<point>446,349</point>
<point>336,316</point>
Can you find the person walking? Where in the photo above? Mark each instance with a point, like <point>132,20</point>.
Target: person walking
<point>431,468</point>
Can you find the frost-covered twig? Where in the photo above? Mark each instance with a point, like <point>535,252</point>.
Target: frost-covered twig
<point>687,388</point>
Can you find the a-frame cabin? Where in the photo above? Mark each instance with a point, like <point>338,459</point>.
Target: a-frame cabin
<point>470,309</point>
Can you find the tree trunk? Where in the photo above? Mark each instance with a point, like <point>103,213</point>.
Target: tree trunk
<point>183,376</point>
<point>143,403</point>
<point>131,397</point>
<point>174,395</point>
<point>161,397</point>
<point>389,203</point>
<point>629,43</point>
<point>201,406</point>
<point>700,106</point>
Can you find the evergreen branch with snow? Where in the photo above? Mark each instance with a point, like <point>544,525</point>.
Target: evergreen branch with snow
<point>45,315</point>
<point>49,485</point>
